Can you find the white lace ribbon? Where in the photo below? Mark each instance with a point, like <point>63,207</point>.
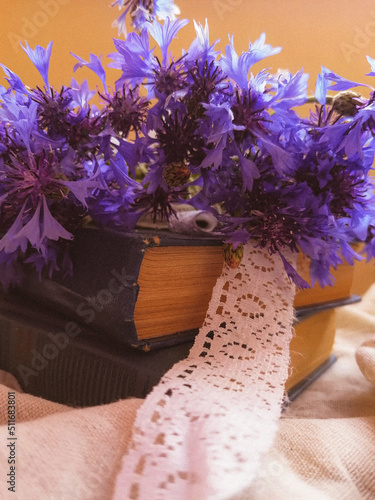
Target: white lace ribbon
<point>202,430</point>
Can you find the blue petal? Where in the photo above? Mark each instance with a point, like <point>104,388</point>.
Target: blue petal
<point>134,58</point>
<point>282,160</point>
<point>291,90</point>
<point>165,8</point>
<point>238,68</point>
<point>95,65</point>
<point>11,241</point>
<point>322,86</point>
<point>320,272</point>
<point>82,188</point>
<point>31,230</point>
<point>164,34</point>
<point>51,229</point>
<point>341,83</point>
<point>14,81</point>
<point>200,49</point>
<point>293,275</point>
<point>40,57</point>
<point>348,253</point>
<point>120,23</point>
<point>249,172</point>
<point>352,142</point>
<point>81,94</point>
<point>372,64</point>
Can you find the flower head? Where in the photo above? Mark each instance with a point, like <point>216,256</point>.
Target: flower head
<point>125,110</point>
<point>142,12</point>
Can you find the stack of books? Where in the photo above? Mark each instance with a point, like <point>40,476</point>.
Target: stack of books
<point>131,311</point>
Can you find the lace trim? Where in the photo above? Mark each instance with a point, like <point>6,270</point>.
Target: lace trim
<point>202,430</point>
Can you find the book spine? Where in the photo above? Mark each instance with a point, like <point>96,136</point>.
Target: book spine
<point>103,289</point>
<point>106,309</point>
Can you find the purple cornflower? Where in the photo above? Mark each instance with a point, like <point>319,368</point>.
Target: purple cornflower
<point>125,110</point>
<point>142,12</point>
<point>196,128</point>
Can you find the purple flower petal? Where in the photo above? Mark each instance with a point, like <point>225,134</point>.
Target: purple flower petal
<point>31,230</point>
<point>165,33</point>
<point>249,172</point>
<point>14,81</point>
<point>293,274</point>
<point>40,57</point>
<point>12,240</point>
<point>51,229</point>
<point>95,65</point>
<point>372,64</point>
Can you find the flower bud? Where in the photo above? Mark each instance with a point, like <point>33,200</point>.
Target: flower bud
<point>176,174</point>
<point>147,6</point>
<point>346,103</point>
<point>232,257</point>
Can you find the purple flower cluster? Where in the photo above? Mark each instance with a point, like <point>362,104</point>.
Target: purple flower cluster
<point>200,129</point>
<point>142,12</point>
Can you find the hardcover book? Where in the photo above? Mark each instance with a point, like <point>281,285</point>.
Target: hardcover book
<point>148,288</point>
<point>56,358</point>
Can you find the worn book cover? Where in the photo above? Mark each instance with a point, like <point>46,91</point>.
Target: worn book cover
<point>147,289</point>
<point>56,358</point>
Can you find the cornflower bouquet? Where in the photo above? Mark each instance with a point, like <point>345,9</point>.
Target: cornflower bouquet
<point>198,129</point>
<point>205,132</point>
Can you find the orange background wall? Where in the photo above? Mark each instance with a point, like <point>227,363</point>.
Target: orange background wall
<point>335,33</point>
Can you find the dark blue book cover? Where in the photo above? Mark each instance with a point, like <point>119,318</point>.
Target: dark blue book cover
<point>103,291</point>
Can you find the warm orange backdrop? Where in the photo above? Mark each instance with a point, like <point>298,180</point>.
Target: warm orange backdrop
<point>334,33</point>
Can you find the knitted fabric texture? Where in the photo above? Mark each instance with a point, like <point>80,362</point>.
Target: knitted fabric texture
<point>365,356</point>
<point>202,430</point>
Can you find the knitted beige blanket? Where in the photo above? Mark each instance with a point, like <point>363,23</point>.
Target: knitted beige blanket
<point>324,449</point>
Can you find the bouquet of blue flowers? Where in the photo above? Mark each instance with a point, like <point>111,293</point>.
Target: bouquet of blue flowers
<point>198,129</point>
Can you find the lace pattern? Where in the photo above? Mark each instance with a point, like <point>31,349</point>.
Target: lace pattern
<point>201,432</point>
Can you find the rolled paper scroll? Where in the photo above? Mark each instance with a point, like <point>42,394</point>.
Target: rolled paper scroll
<point>193,221</point>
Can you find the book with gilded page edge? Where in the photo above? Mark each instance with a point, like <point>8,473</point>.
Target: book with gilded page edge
<point>149,288</point>
<point>55,358</point>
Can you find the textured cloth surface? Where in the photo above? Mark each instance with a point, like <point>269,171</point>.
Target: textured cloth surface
<point>365,356</point>
<point>63,453</point>
<point>324,449</point>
